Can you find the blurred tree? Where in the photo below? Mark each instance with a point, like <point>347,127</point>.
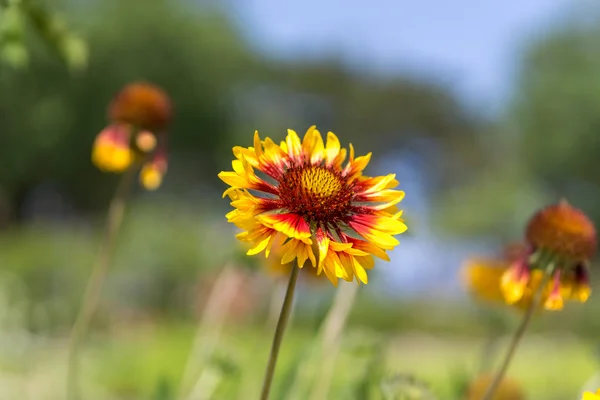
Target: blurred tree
<point>220,89</point>
<point>548,143</point>
<point>557,111</point>
<point>49,26</point>
<point>380,114</point>
<point>50,118</point>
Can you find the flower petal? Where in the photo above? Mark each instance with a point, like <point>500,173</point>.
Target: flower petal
<point>378,230</point>
<point>291,225</point>
<point>312,145</point>
<point>332,148</point>
<point>294,146</point>
<point>323,246</point>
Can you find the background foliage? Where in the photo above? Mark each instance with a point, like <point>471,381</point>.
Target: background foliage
<point>60,64</point>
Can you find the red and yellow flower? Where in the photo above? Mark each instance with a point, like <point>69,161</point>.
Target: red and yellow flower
<point>139,115</point>
<point>559,235</point>
<point>298,194</point>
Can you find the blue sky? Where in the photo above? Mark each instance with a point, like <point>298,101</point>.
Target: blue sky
<point>470,45</point>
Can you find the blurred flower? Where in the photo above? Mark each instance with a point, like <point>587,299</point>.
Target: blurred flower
<point>507,390</point>
<point>563,236</point>
<point>482,276</point>
<point>111,152</point>
<point>483,279</point>
<point>312,204</point>
<point>563,231</point>
<point>139,115</point>
<point>153,171</point>
<point>143,105</point>
<point>591,396</point>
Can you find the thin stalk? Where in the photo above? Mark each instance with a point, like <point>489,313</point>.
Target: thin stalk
<point>209,329</point>
<point>518,335</point>
<point>278,290</point>
<point>488,352</point>
<point>333,327</point>
<point>116,211</point>
<point>286,310</point>
<point>496,328</point>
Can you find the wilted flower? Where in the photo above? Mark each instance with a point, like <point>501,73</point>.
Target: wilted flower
<point>563,236</point>
<point>139,115</point>
<point>310,203</point>
<point>507,390</point>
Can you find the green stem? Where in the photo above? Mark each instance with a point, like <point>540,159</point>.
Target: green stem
<point>94,286</point>
<point>518,335</point>
<point>210,327</point>
<point>286,310</point>
<point>333,327</point>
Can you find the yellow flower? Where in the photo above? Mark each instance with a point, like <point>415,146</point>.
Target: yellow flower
<point>482,276</point>
<point>139,114</point>
<point>299,194</point>
<point>507,390</point>
<point>591,396</point>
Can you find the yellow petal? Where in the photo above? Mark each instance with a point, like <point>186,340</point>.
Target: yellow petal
<point>293,144</point>
<point>259,246</point>
<point>332,148</point>
<point>360,272</point>
<point>323,245</point>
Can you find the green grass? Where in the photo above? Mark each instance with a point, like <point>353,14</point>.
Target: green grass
<point>44,272</point>
<point>132,363</point>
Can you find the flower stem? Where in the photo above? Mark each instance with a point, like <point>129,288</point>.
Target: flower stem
<point>333,327</point>
<point>94,286</point>
<point>518,335</point>
<point>210,327</point>
<point>286,310</point>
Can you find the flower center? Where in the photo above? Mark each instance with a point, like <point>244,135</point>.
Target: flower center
<point>320,182</point>
<point>315,192</point>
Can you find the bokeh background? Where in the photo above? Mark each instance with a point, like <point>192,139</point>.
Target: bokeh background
<point>485,110</point>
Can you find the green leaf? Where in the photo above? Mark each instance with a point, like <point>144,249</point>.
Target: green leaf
<point>14,53</point>
<point>74,52</point>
